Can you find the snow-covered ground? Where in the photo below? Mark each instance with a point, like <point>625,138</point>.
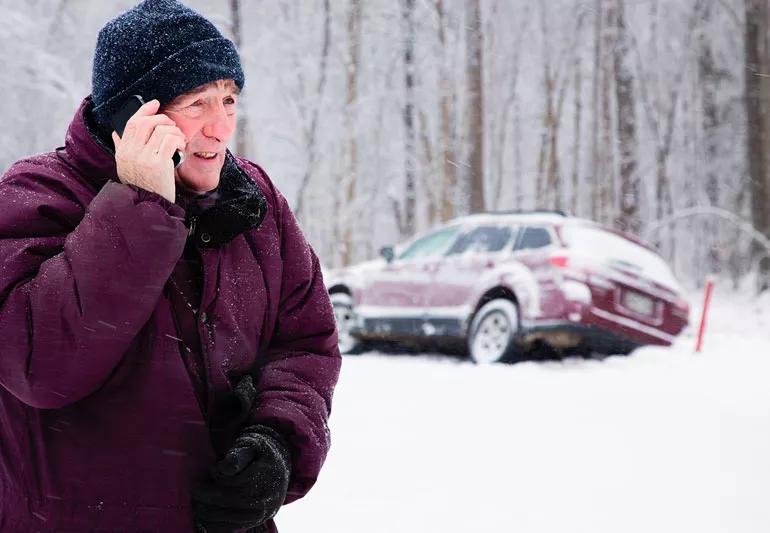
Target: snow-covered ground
<point>664,440</point>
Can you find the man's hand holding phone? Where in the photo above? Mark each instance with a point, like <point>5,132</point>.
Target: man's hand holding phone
<point>144,151</point>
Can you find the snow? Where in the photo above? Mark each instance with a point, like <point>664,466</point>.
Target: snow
<point>664,440</point>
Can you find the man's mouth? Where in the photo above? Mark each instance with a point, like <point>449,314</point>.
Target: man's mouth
<point>206,155</point>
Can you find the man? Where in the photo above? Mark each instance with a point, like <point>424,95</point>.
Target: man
<point>168,348</point>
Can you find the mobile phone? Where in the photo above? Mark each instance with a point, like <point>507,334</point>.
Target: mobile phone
<point>119,120</point>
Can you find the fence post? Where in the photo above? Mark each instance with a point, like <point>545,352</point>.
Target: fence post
<point>704,312</point>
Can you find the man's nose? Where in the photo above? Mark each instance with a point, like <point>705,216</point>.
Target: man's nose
<point>217,123</point>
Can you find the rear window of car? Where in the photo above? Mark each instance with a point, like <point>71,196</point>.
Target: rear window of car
<point>531,238</point>
<point>435,243</point>
<point>601,245</point>
<point>480,240</point>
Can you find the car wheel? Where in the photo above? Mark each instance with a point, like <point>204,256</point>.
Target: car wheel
<point>493,330</point>
<point>344,315</point>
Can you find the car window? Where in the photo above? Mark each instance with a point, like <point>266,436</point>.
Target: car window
<point>531,238</point>
<point>616,251</point>
<point>432,244</point>
<point>482,239</point>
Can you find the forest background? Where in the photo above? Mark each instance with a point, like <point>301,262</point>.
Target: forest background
<point>379,119</point>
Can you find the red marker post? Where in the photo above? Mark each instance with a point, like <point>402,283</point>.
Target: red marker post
<point>704,312</point>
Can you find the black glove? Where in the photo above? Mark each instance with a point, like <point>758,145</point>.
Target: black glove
<point>249,484</point>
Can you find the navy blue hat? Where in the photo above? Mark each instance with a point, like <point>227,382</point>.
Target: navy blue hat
<point>159,49</point>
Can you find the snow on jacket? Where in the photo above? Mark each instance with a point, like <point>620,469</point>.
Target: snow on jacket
<point>100,423</point>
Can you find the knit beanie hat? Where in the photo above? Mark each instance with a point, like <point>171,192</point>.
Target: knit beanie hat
<point>160,49</point>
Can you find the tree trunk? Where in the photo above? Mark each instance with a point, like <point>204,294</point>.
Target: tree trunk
<point>448,128</point>
<point>241,125</point>
<point>594,174</point>
<point>626,122</point>
<point>606,167</point>
<point>312,129</point>
<point>547,165</point>
<point>576,133</point>
<point>708,83</point>
<point>410,144</point>
<point>351,112</point>
<point>474,43</point>
<point>757,95</point>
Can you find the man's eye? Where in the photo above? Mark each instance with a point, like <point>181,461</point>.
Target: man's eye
<point>229,100</point>
<point>196,103</point>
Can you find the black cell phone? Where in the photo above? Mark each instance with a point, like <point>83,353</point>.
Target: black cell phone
<point>119,120</point>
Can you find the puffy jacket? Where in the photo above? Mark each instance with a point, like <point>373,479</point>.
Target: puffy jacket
<point>102,424</point>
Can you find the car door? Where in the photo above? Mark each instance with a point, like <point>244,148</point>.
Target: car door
<point>476,251</point>
<point>400,287</point>
<point>533,248</point>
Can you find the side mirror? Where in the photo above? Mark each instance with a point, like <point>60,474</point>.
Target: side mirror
<point>387,253</point>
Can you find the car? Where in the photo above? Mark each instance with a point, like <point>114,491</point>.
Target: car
<point>503,284</point>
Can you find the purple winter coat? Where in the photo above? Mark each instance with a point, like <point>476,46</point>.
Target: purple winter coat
<point>101,428</point>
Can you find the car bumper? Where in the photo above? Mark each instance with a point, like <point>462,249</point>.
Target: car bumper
<point>569,335</point>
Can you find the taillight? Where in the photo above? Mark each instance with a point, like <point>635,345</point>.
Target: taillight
<point>681,309</point>
<point>558,261</point>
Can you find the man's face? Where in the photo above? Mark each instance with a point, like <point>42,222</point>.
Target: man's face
<point>207,118</point>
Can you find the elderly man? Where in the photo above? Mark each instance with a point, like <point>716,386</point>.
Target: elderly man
<point>168,348</point>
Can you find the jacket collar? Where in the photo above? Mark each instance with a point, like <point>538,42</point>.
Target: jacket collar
<point>87,150</point>
<point>239,206</point>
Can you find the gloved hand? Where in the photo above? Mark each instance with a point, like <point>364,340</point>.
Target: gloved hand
<point>248,485</point>
<point>228,415</point>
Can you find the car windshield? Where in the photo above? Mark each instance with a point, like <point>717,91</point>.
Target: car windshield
<point>618,252</point>
<point>432,244</point>
<point>481,239</point>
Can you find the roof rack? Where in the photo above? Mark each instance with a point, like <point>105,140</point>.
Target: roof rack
<point>558,212</point>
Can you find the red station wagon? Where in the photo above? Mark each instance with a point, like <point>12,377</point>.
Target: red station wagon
<point>503,283</point>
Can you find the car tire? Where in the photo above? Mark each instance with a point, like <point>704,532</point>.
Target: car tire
<point>344,315</point>
<point>493,331</point>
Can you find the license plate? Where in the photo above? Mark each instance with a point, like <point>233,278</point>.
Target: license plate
<point>639,303</point>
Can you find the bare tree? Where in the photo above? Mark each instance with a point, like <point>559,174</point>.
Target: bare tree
<point>511,105</point>
<point>626,120</point>
<point>311,132</point>
<point>448,124</point>
<point>352,62</point>
<point>660,111</point>
<point>710,76</point>
<point>757,51</point>
<point>241,127</point>
<point>577,118</point>
<point>475,104</point>
<point>606,168</point>
<point>406,220</point>
<point>556,76</point>
<point>600,169</point>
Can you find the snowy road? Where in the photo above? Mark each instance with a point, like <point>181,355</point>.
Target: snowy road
<point>661,441</point>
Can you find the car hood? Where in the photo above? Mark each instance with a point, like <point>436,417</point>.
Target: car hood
<point>351,275</point>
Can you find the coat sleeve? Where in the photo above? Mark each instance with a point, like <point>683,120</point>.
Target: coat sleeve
<point>77,283</point>
<point>302,363</point>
